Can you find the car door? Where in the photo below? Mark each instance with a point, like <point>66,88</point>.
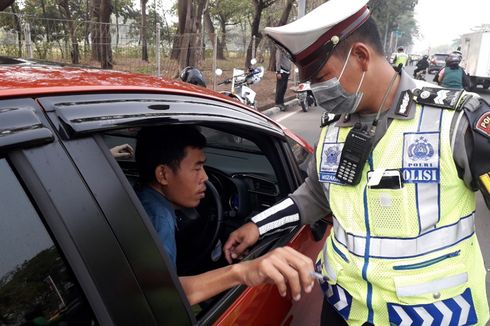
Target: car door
<point>75,234</point>
<point>80,120</point>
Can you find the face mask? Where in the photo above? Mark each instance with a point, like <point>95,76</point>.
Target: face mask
<point>331,96</point>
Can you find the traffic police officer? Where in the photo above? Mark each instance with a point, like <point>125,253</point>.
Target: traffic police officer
<point>400,59</point>
<point>397,166</point>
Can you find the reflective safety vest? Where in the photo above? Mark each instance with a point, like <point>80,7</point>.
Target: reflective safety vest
<point>409,255</point>
<point>402,58</point>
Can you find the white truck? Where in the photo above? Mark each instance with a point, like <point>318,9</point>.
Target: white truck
<point>476,57</point>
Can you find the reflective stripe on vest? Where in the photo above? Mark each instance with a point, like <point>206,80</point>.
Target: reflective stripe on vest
<point>436,239</point>
<point>430,121</point>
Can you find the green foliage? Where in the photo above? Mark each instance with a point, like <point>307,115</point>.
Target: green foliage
<point>395,16</point>
<point>230,12</point>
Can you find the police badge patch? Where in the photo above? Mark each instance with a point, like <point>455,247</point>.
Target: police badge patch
<point>421,157</point>
<point>330,162</point>
<point>483,124</point>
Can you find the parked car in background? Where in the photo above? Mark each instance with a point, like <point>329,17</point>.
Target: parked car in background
<point>76,246</point>
<point>437,62</point>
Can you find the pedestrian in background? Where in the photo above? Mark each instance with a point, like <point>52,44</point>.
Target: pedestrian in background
<point>283,69</point>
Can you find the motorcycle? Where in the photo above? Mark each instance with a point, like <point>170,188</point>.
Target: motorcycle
<point>304,95</point>
<point>420,75</point>
<point>240,82</point>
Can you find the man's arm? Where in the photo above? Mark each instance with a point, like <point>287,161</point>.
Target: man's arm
<point>284,267</point>
<point>470,140</point>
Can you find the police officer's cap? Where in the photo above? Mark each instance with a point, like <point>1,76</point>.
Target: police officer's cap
<point>310,40</point>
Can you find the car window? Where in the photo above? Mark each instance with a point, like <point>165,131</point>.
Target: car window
<point>247,175</point>
<point>36,286</point>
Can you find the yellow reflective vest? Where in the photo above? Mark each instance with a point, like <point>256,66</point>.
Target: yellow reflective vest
<point>407,255</point>
<point>402,58</point>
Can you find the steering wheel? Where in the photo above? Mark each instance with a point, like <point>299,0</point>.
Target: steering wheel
<point>198,231</point>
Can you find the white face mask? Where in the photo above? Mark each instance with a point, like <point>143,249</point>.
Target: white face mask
<point>332,97</point>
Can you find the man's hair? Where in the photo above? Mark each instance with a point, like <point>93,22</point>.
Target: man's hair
<point>367,33</point>
<point>164,145</point>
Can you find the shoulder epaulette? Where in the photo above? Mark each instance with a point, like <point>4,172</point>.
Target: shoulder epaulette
<point>328,118</point>
<point>439,97</point>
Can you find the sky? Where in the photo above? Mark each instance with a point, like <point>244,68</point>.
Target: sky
<point>441,21</point>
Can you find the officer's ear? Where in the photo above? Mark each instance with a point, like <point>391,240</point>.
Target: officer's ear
<point>362,54</point>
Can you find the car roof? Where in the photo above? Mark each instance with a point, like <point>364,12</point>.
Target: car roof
<point>19,77</point>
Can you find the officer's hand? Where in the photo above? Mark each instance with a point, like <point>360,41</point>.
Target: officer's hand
<point>122,151</point>
<point>239,240</point>
<point>284,267</point>
<point>278,75</point>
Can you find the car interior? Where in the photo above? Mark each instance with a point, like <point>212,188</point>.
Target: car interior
<point>245,175</point>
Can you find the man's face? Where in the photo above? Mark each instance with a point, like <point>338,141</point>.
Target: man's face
<point>186,186</point>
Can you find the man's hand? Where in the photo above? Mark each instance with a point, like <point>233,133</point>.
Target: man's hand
<point>122,151</point>
<point>278,75</point>
<point>284,267</point>
<point>239,240</point>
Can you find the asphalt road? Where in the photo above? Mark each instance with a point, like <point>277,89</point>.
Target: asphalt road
<point>306,124</point>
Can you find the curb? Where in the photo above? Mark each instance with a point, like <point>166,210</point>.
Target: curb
<point>275,110</point>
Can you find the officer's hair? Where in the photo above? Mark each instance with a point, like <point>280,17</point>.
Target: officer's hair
<point>367,33</point>
<point>164,145</point>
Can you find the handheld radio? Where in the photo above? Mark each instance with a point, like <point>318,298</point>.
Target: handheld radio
<point>357,147</point>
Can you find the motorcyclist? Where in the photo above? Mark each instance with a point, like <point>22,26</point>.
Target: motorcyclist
<point>422,64</point>
<point>452,75</point>
<point>193,76</point>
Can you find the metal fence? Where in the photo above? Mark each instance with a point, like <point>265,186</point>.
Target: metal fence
<point>59,40</point>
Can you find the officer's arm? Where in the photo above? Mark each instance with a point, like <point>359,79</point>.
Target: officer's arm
<point>471,146</point>
<point>305,206</point>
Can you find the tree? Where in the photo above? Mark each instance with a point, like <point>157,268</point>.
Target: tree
<point>395,16</point>
<point>226,13</point>
<point>100,11</point>
<point>75,52</point>
<point>186,43</point>
<point>144,43</point>
<point>259,6</point>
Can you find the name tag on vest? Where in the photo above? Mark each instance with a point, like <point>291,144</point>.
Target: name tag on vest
<point>421,157</point>
<point>330,162</point>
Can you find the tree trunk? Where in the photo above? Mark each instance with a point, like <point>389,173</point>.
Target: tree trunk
<point>144,42</point>
<point>106,50</point>
<point>19,29</point>
<point>5,3</point>
<point>222,40</point>
<point>255,31</point>
<point>95,29</point>
<point>74,51</point>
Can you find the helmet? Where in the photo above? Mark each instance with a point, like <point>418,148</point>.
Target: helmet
<point>453,59</point>
<point>425,56</point>
<point>400,48</point>
<point>193,76</point>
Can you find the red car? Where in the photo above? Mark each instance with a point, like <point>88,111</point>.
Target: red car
<point>76,246</point>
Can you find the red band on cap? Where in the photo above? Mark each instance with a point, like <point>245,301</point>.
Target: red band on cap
<point>342,29</point>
